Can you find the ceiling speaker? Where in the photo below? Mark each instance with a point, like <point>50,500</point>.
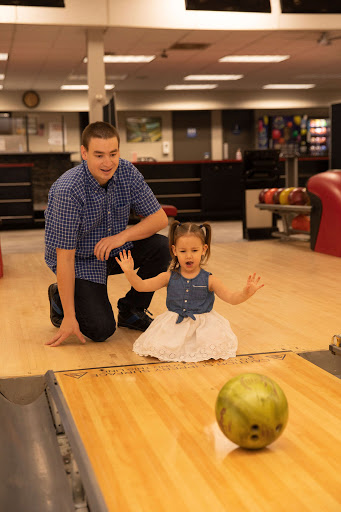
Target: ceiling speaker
<point>311,6</point>
<point>34,3</point>
<point>229,5</point>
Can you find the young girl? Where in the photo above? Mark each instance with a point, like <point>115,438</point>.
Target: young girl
<point>190,330</point>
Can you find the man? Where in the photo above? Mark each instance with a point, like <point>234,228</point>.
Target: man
<point>86,226</point>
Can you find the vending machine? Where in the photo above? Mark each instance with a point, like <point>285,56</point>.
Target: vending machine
<point>318,136</point>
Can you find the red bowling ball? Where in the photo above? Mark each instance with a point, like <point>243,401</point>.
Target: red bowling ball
<point>261,197</point>
<point>298,196</point>
<point>276,195</point>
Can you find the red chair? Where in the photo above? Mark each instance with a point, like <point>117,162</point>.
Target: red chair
<point>325,218</point>
<point>171,211</point>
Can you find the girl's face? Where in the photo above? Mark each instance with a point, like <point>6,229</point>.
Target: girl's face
<point>189,249</point>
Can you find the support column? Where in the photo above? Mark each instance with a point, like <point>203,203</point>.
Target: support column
<point>96,74</point>
<point>216,135</point>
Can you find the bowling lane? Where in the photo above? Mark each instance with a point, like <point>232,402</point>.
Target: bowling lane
<point>151,436</point>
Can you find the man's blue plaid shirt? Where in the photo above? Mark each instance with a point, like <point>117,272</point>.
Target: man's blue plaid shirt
<point>80,213</point>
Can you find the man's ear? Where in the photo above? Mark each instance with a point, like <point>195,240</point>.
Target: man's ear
<point>84,153</point>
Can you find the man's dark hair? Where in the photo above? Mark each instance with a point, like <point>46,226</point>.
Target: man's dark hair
<point>99,130</point>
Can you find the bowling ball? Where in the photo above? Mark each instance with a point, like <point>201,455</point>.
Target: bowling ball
<point>276,195</point>
<point>261,197</point>
<point>301,222</point>
<point>284,195</point>
<point>251,410</point>
<point>268,196</point>
<point>298,196</point>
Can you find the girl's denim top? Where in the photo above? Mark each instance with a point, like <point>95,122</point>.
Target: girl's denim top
<point>188,297</point>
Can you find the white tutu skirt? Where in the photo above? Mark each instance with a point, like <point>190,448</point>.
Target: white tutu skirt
<point>209,336</point>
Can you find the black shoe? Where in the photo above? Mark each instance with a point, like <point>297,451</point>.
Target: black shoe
<point>56,310</point>
<point>134,319</point>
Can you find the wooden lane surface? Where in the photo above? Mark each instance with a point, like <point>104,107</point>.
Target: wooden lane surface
<point>297,310</point>
<point>152,439</point>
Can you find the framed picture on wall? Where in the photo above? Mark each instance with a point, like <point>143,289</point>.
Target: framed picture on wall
<point>143,129</point>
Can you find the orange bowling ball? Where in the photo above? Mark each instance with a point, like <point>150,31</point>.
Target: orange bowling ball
<point>284,195</point>
<point>268,197</point>
<point>301,223</point>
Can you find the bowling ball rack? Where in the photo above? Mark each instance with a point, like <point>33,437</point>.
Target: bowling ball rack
<point>335,346</point>
<point>287,213</point>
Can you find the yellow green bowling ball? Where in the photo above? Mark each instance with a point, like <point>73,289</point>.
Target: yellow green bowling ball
<point>284,195</point>
<point>251,410</point>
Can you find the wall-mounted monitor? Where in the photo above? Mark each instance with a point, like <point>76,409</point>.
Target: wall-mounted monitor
<point>229,5</point>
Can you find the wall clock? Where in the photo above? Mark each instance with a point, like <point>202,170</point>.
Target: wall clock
<point>31,99</point>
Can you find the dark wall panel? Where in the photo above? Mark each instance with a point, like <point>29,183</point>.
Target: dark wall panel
<point>238,130</point>
<point>191,135</point>
<point>335,151</point>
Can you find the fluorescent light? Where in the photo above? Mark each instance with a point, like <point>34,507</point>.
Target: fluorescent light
<point>254,58</point>
<point>128,58</point>
<point>213,77</point>
<point>3,56</point>
<point>288,86</point>
<point>75,87</point>
<point>125,58</point>
<point>85,77</point>
<point>84,87</point>
<point>2,76</point>
<point>181,87</point>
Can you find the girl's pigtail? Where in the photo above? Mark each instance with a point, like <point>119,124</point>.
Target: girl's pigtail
<point>208,236</point>
<point>171,238</point>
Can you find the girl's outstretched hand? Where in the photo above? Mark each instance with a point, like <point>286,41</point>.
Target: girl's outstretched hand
<point>252,285</point>
<point>125,261</point>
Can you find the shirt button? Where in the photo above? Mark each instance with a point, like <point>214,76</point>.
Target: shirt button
<point>186,290</point>
<point>109,229</point>
<point>183,310</point>
<point>185,300</point>
<point>187,281</point>
<point>109,212</point>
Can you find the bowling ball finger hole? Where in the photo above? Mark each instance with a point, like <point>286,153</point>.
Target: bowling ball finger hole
<point>279,427</point>
<point>255,427</point>
<point>254,437</point>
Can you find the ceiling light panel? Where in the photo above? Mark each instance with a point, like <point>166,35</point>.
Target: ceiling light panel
<point>83,87</point>
<point>288,86</point>
<point>183,87</point>
<point>213,77</point>
<point>254,58</point>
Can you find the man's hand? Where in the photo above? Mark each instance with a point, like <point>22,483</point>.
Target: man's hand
<point>67,327</point>
<point>125,261</point>
<point>106,245</point>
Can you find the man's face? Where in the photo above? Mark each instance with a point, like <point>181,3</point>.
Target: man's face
<point>102,157</point>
